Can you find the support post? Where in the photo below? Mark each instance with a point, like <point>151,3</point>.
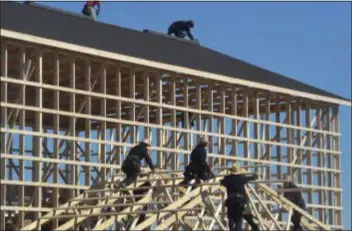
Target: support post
<point>256,126</point>
<point>329,163</point>
<point>132,105</point>
<point>22,140</point>
<point>337,166</point>
<point>319,173</point>
<point>186,119</point>
<point>72,168</point>
<point>289,137</point>
<point>210,123</point>
<point>103,123</point>
<point>38,139</point>
<point>118,126</point>
<point>159,118</point>
<point>57,132</point>
<point>309,156</point>
<point>246,127</point>
<point>174,161</point>
<point>146,107</point>
<point>299,139</point>
<point>222,126</point>
<point>3,145</point>
<point>88,122</point>
<point>199,107</point>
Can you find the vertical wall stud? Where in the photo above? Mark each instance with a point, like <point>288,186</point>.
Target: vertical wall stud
<point>22,142</point>
<point>211,122</point>
<point>199,107</point>
<point>309,154</point>
<point>174,161</point>
<point>159,118</point>
<point>222,127</point>
<point>103,123</point>
<point>4,68</point>
<point>118,127</point>
<point>88,108</point>
<point>72,168</point>
<point>186,119</point>
<point>57,132</point>
<point>38,128</point>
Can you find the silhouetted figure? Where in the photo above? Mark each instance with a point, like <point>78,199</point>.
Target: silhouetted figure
<point>181,28</point>
<point>88,9</point>
<point>198,168</point>
<point>132,165</point>
<point>296,198</point>
<point>237,197</point>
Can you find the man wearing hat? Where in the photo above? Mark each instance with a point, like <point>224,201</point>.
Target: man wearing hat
<point>296,198</point>
<point>237,197</point>
<point>198,167</point>
<point>132,165</point>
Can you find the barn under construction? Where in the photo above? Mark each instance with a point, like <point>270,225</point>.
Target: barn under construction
<point>77,94</point>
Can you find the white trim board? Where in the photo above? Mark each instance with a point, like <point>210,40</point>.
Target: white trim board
<point>167,67</point>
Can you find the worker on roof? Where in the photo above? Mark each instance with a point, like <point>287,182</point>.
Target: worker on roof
<point>296,198</point>
<point>198,168</point>
<point>132,165</point>
<point>181,28</point>
<point>237,197</point>
<point>88,9</point>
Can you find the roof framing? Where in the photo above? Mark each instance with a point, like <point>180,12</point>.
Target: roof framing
<point>145,49</point>
<point>158,65</point>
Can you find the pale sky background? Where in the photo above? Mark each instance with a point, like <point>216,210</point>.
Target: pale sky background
<point>308,41</point>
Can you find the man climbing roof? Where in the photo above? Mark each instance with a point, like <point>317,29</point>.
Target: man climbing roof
<point>179,28</point>
<point>198,168</point>
<point>88,9</point>
<point>132,165</point>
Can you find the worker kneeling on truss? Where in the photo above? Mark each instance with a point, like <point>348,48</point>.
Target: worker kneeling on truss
<point>198,167</point>
<point>132,165</point>
<point>238,199</point>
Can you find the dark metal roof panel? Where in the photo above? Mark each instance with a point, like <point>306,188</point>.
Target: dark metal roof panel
<point>76,29</point>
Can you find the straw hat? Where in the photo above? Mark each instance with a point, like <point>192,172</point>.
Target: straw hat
<point>235,169</point>
<point>203,140</point>
<point>145,141</point>
<point>287,177</point>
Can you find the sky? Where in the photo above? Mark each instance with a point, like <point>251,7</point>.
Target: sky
<point>308,41</point>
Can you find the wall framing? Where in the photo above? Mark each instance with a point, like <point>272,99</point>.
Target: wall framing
<point>80,114</point>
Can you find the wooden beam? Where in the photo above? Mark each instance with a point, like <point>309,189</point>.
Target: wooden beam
<point>4,72</point>
<point>38,140</point>
<point>56,142</point>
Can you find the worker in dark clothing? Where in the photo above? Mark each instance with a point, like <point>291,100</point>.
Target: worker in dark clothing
<point>296,198</point>
<point>88,9</point>
<point>237,197</point>
<point>180,28</point>
<point>198,168</point>
<point>132,165</point>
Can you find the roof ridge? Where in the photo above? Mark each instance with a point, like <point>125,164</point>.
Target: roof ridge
<point>84,17</point>
<point>38,21</point>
